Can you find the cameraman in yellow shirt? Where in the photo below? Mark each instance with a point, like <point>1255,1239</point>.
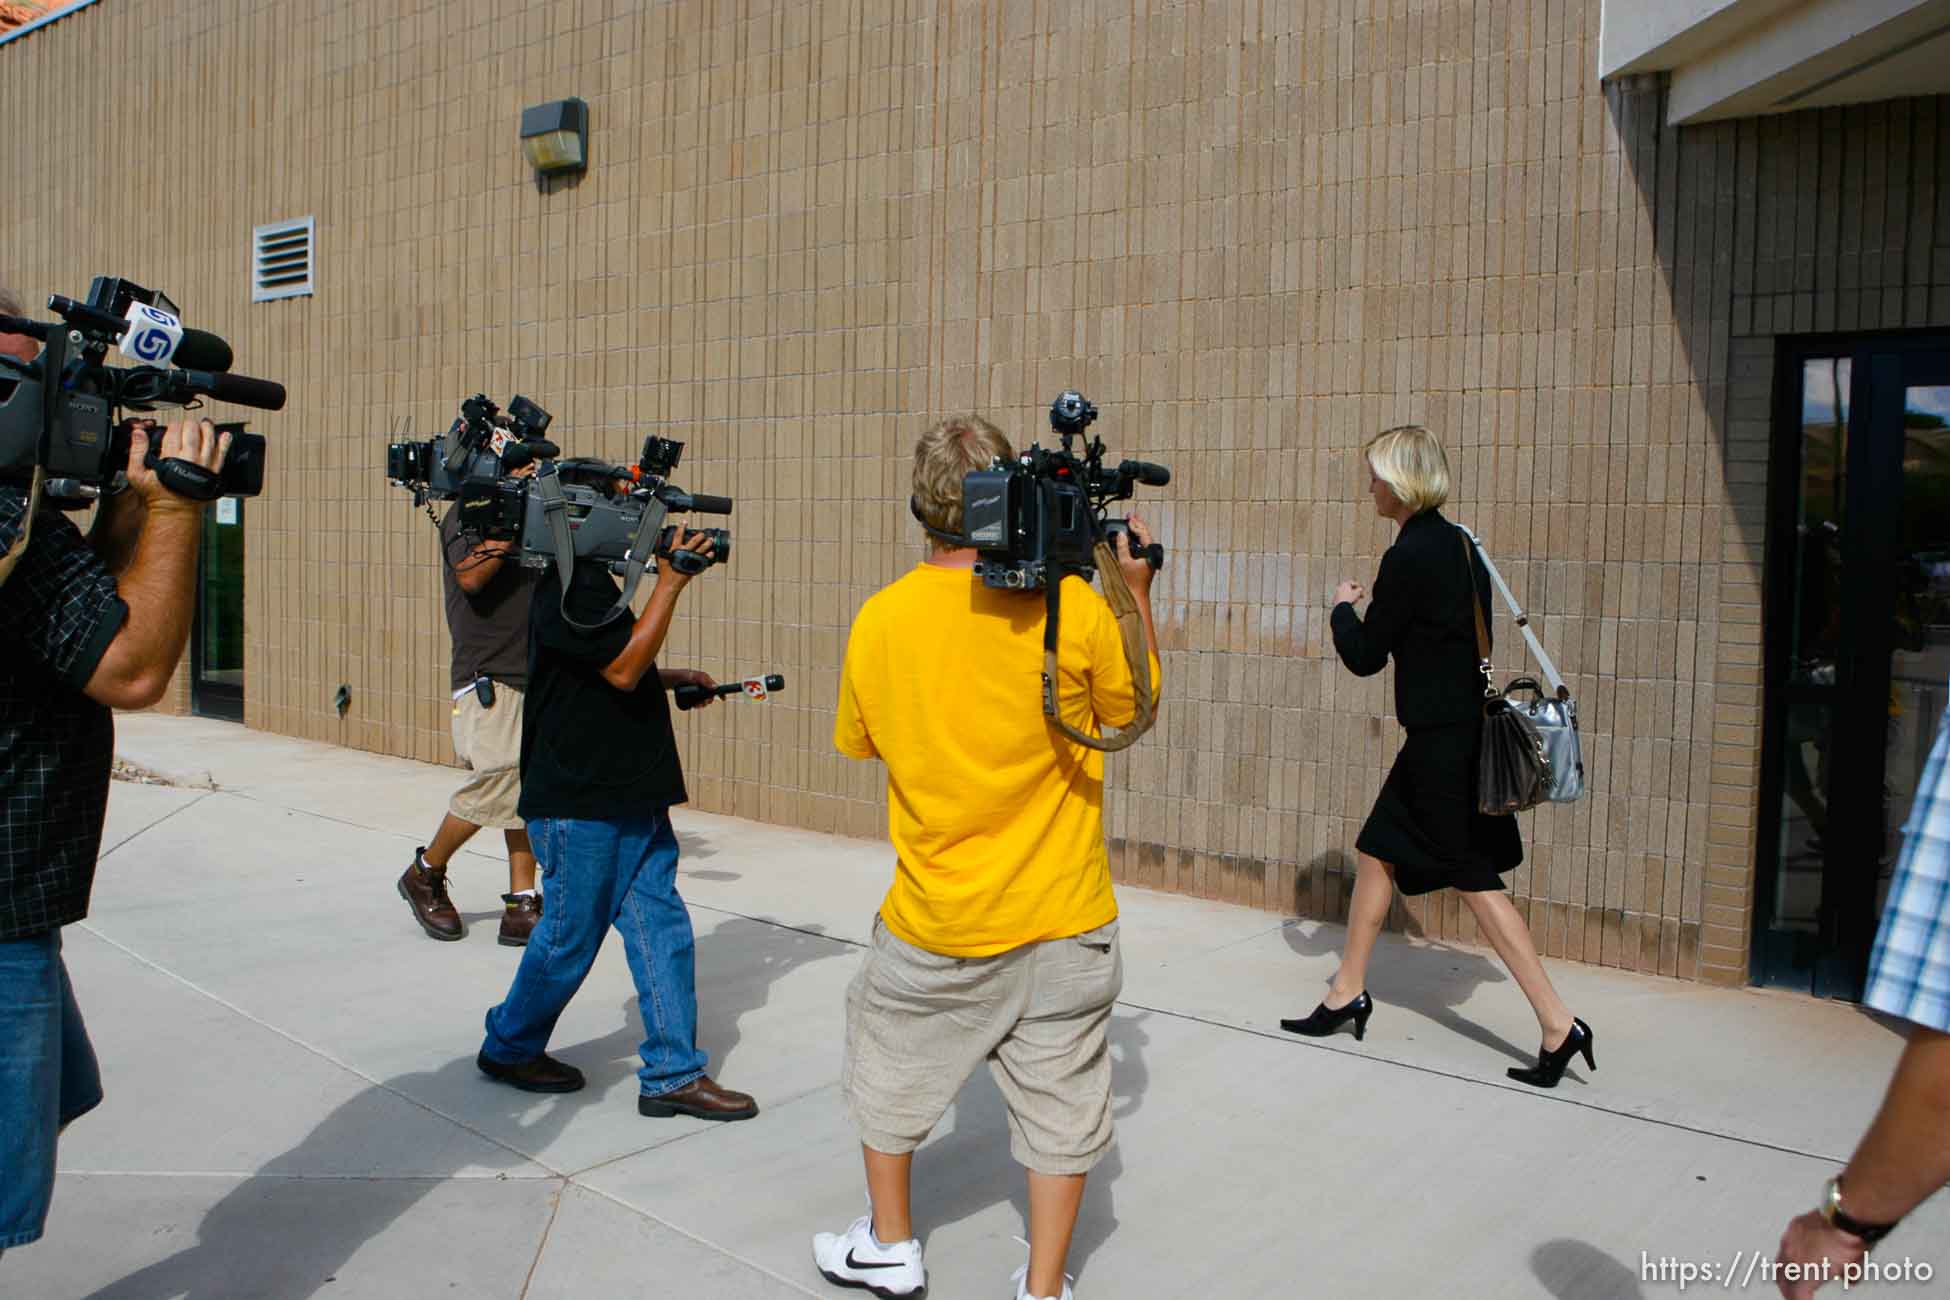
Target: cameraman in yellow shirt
<point>998,938</point>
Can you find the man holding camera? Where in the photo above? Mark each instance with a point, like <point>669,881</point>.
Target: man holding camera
<point>86,626</point>
<point>488,592</point>
<point>998,940</point>
<point>599,773</point>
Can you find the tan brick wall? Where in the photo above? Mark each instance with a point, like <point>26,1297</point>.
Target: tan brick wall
<point>1254,233</point>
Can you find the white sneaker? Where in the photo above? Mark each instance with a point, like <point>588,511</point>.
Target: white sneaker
<point>855,1258</point>
<point>1022,1286</point>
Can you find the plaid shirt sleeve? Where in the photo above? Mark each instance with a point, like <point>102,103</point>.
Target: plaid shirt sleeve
<point>59,607</point>
<point>1909,972</point>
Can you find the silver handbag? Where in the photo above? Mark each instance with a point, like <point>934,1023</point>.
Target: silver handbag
<point>1553,715</point>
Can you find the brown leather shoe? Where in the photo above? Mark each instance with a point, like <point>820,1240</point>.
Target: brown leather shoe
<point>425,890</point>
<point>701,1098</point>
<point>543,1074</point>
<point>518,919</point>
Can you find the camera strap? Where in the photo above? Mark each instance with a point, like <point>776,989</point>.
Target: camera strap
<point>1130,628</point>
<point>19,548</point>
<point>555,511</point>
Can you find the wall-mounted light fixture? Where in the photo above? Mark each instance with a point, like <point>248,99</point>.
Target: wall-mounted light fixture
<point>555,136</point>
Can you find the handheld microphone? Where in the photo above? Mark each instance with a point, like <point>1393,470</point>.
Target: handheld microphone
<point>758,688</point>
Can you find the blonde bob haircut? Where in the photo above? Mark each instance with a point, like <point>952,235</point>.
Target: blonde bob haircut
<point>1411,462</point>
<point>944,454</point>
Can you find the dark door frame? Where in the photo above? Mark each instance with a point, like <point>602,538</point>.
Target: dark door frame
<point>1883,365</point>
<point>219,700</point>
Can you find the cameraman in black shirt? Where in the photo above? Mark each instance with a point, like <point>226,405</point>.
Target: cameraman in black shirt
<point>599,773</point>
<point>86,626</point>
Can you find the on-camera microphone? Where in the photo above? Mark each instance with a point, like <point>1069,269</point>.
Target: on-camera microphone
<point>33,329</point>
<point>701,502</point>
<point>264,394</point>
<point>202,350</point>
<point>1146,472</point>
<point>528,451</point>
<point>155,337</point>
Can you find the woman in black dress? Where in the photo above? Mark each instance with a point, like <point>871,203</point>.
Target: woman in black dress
<point>1425,833</point>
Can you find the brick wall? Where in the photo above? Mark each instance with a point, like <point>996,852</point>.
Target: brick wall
<point>1254,233</point>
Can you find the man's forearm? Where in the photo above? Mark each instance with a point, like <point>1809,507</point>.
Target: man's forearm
<point>118,525</point>
<point>1904,1158</point>
<point>158,587</point>
<point>626,671</point>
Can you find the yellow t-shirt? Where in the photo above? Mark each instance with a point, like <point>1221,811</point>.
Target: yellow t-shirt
<point>997,818</point>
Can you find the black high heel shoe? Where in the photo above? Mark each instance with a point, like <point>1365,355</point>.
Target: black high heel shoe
<point>1325,1021</point>
<point>1550,1064</point>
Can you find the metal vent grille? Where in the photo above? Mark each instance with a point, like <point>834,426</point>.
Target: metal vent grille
<point>281,259</point>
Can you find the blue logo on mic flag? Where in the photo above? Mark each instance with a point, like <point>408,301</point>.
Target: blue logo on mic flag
<point>150,344</point>
<point>152,336</point>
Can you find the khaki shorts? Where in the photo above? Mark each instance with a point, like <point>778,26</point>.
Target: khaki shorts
<point>918,1023</point>
<point>489,742</point>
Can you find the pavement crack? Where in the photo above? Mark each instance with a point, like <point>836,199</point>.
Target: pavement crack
<point>137,834</point>
<point>554,1209</point>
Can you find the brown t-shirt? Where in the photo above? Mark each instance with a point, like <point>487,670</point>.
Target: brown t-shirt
<point>490,628</point>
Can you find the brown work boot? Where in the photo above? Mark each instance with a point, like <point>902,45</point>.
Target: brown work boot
<point>425,890</point>
<point>518,919</point>
<point>701,1098</point>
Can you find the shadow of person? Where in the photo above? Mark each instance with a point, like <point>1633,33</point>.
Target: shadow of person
<point>1427,976</point>
<point>1577,1270</point>
<point>738,962</point>
<point>693,844</point>
<point>288,1228</point>
<point>962,1174</point>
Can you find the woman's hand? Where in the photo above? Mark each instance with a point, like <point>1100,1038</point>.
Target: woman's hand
<point>1349,592</point>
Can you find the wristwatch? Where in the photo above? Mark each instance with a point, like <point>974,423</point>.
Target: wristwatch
<point>1831,1210</point>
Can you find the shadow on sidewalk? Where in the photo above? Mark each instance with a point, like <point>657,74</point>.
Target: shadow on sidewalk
<point>1577,1270</point>
<point>1429,978</point>
<point>288,1229</point>
<point>971,1169</point>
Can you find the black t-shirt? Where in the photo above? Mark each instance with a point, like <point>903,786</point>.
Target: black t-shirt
<point>589,750</point>
<point>489,628</point>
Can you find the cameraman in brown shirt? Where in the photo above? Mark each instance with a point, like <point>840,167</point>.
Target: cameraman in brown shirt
<point>488,594</point>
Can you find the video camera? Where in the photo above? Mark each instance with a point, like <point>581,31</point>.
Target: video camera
<point>570,509</point>
<point>1041,517</point>
<point>479,448</point>
<point>61,413</point>
<point>1045,511</point>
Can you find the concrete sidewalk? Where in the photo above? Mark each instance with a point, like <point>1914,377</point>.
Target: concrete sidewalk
<point>293,1108</point>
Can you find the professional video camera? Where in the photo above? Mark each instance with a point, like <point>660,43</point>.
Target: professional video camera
<point>61,414</point>
<point>1042,517</point>
<point>1045,512</point>
<point>570,509</point>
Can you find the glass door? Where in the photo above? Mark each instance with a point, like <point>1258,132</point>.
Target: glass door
<point>1858,643</point>
<point>217,640</point>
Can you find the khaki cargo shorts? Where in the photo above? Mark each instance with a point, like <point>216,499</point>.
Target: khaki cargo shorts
<point>918,1023</point>
<point>489,742</point>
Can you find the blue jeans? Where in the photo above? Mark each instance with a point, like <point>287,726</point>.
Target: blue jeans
<point>596,874</point>
<point>48,1077</point>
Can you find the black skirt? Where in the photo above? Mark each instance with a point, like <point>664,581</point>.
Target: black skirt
<point>1425,822</point>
